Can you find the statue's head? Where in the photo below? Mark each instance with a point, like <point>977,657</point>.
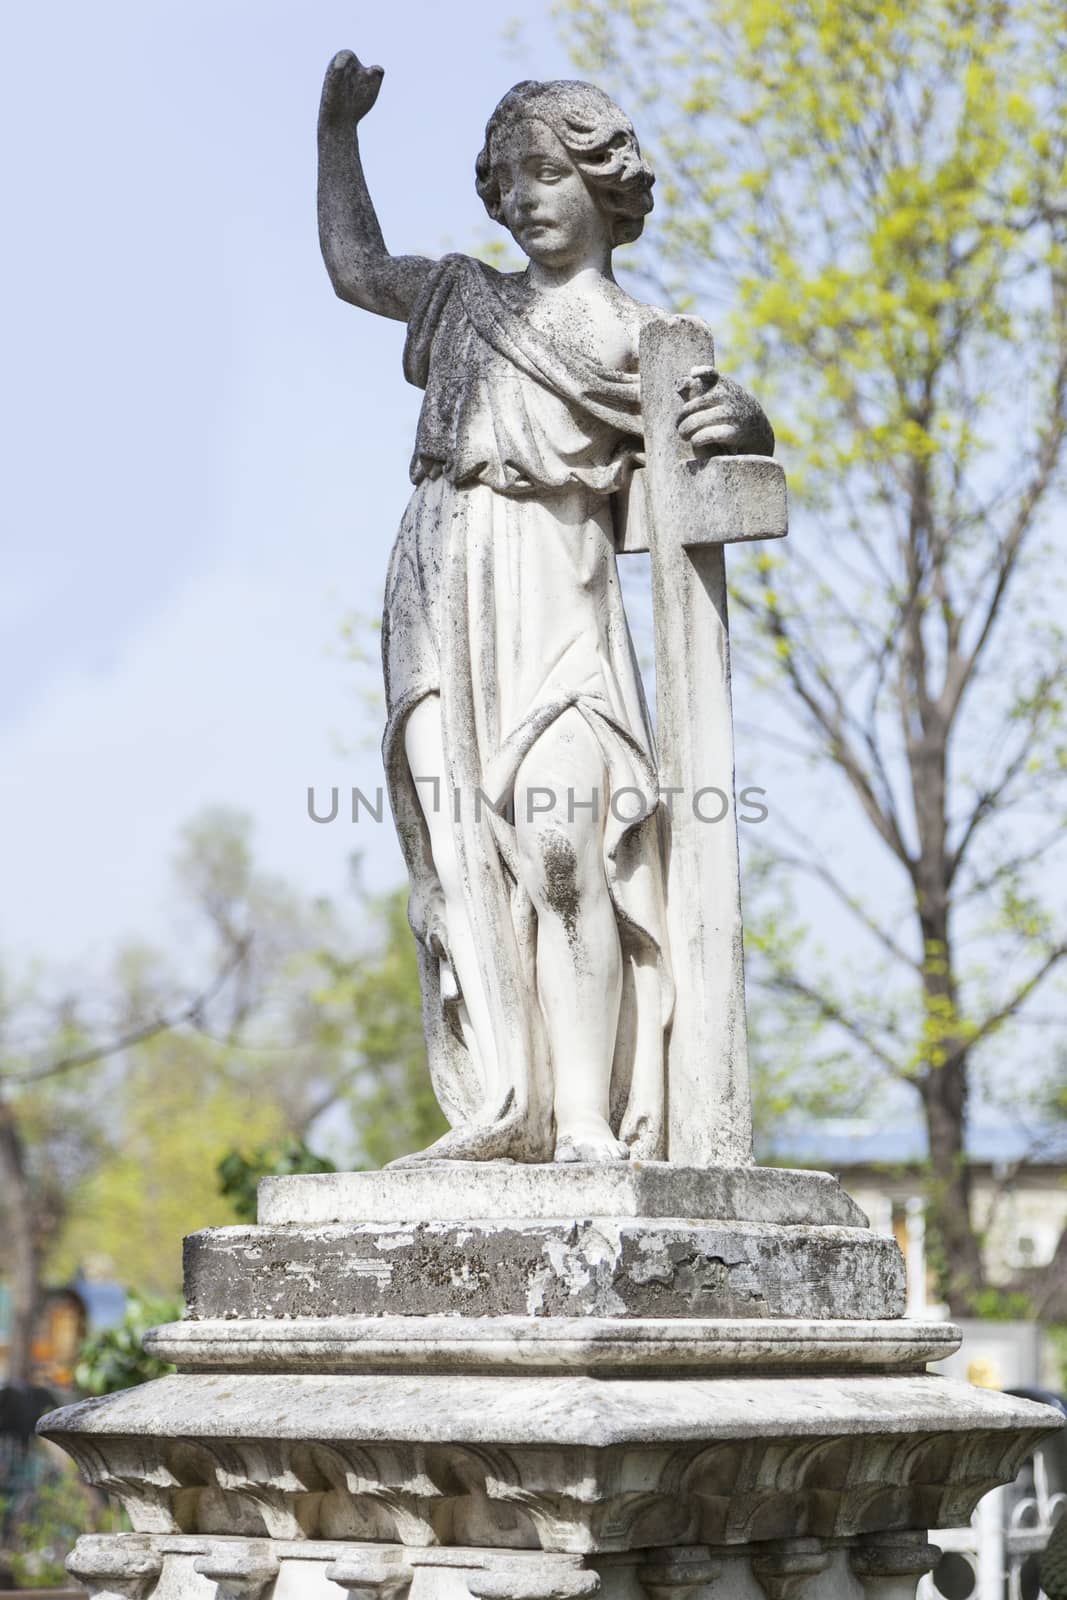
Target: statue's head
<point>576,128</point>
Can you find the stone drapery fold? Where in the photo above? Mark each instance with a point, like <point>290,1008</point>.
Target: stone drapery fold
<point>503,598</point>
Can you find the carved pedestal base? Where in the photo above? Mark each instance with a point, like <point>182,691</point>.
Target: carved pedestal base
<point>130,1566</point>
<point>656,1443</point>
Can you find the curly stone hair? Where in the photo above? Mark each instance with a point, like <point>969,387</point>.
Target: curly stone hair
<point>598,137</point>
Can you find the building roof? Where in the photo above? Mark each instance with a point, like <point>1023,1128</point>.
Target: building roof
<point>842,1143</point>
<point>105,1302</point>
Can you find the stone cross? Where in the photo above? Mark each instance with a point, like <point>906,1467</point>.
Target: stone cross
<point>689,505</point>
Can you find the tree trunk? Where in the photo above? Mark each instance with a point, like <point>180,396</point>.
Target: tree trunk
<point>955,1246</point>
<point>943,1064</point>
<point>944,1085</point>
<point>25,1262</point>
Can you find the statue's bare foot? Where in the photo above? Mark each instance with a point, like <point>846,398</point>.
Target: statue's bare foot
<point>588,1138</point>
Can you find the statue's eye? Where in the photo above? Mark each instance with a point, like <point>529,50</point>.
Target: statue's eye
<point>550,174</point>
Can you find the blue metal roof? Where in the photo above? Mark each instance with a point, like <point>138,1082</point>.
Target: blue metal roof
<point>860,1142</point>
<point>105,1303</point>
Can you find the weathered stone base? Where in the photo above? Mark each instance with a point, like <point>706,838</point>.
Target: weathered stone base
<point>681,1402</point>
<point>634,1239</point>
<point>558,1463</point>
<point>606,1267</point>
<point>190,1568</point>
<point>459,1191</point>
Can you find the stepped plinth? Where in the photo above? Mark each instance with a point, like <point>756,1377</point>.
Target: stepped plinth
<point>631,1380</point>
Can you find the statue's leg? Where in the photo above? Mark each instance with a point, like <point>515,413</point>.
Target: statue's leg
<point>579,959</point>
<point>425,753</point>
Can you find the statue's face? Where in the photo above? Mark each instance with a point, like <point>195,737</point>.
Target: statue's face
<point>544,201</point>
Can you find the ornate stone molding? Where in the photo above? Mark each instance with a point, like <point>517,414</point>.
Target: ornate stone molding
<point>550,1344</point>
<point>564,1498</point>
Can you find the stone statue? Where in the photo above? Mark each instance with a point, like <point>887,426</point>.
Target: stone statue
<point>518,750</point>
<point>564,1375</point>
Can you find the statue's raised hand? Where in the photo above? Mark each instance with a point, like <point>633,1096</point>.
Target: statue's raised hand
<point>349,90</point>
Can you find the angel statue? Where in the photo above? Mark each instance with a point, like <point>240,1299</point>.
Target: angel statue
<point>516,720</point>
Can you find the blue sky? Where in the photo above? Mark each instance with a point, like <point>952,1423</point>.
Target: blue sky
<point>208,451</point>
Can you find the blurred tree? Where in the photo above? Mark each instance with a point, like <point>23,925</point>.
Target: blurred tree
<point>184,1101</point>
<point>114,1116</point>
<point>53,1133</point>
<point>47,1522</point>
<point>116,1358</point>
<point>869,199</point>
<point>374,1002</point>
<point>239,1171</point>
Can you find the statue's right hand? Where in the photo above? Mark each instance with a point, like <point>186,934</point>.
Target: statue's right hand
<point>349,90</point>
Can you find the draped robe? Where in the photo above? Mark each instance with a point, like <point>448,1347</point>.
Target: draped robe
<point>502,597</point>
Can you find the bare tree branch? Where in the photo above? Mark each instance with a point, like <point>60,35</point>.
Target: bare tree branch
<point>1013,864</point>
<point>190,1013</point>
<point>829,1011</point>
<point>1019,998</point>
<point>962,668</point>
<point>818,869</point>
<point>832,723</point>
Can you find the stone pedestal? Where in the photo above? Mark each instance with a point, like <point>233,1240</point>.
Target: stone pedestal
<point>521,1383</point>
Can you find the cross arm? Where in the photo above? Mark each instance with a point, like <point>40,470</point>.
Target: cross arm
<point>723,500</point>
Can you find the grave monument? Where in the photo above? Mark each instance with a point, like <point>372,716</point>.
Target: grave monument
<point>582,1344</point>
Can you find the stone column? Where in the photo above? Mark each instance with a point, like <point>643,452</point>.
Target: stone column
<point>793,1570</point>
<point>114,1570</point>
<point>890,1565</point>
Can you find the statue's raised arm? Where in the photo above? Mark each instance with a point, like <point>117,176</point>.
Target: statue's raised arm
<point>361,269</point>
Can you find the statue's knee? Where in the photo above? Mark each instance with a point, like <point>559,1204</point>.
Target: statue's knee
<point>551,876</point>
